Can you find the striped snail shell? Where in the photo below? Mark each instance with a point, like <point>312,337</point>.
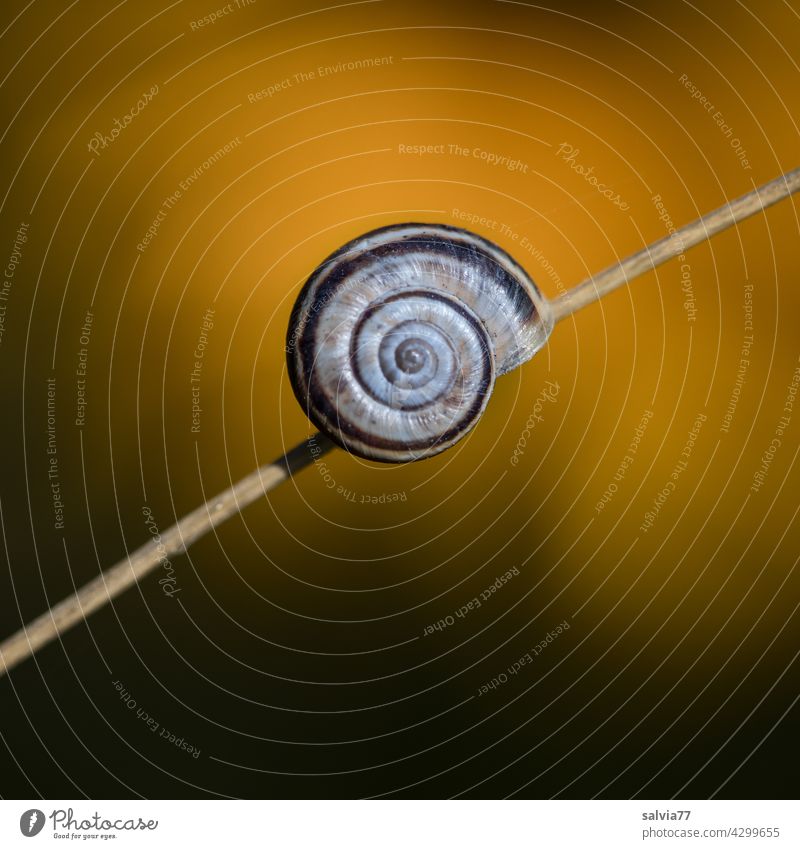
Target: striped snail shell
<point>395,340</point>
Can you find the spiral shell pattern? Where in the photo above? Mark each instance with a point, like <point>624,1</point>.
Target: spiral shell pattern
<point>396,339</point>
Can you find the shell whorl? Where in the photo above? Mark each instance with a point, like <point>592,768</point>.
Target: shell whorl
<point>396,339</point>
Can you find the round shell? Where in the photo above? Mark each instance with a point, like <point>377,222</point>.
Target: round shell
<point>395,340</point>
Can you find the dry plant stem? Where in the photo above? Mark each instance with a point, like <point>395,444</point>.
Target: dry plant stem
<point>599,285</point>
<point>175,540</point>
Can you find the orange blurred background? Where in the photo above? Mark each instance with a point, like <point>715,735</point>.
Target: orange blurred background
<point>295,655</point>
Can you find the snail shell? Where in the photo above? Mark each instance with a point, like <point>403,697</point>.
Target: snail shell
<point>395,340</point>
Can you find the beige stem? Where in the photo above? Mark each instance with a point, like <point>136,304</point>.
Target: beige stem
<point>599,285</point>
<point>175,540</point>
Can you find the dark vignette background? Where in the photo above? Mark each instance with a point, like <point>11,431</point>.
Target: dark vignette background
<point>293,653</point>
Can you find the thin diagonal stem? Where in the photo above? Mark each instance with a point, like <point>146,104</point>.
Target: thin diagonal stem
<point>174,541</point>
<point>599,285</point>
